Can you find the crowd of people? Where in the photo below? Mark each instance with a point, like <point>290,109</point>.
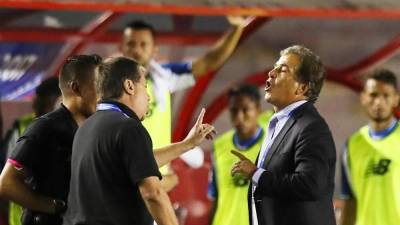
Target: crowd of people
<point>98,146</point>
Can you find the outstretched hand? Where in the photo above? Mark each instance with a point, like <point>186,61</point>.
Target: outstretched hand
<point>200,131</point>
<point>244,167</point>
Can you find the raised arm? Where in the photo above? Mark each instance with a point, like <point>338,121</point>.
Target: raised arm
<point>221,50</point>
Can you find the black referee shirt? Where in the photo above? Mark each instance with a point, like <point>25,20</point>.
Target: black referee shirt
<point>44,151</point>
<point>112,153</point>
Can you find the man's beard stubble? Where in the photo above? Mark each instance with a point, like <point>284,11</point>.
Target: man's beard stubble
<point>381,119</point>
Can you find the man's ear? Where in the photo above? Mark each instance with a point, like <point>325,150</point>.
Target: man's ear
<point>302,89</point>
<point>129,87</point>
<point>74,86</point>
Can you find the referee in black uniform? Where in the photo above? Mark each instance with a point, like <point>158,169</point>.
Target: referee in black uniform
<point>37,174</point>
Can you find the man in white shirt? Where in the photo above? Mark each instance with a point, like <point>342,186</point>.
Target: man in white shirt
<point>138,42</point>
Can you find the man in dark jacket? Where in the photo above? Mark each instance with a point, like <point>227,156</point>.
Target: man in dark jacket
<point>293,178</point>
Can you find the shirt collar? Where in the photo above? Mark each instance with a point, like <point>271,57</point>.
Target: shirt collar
<point>125,109</point>
<point>246,144</point>
<point>69,113</point>
<point>285,112</point>
<point>377,135</point>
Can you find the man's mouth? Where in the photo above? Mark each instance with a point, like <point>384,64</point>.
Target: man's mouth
<point>377,111</point>
<point>267,86</point>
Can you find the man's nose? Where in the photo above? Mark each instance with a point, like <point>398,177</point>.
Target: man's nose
<point>136,50</point>
<point>272,73</point>
<point>239,116</point>
<point>379,100</point>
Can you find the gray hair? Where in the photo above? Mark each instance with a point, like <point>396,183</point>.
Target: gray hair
<point>311,70</point>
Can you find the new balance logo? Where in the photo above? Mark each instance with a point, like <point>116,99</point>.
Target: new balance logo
<point>380,168</point>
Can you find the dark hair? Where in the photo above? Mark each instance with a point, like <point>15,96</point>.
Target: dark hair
<point>141,25</point>
<point>311,70</point>
<point>111,75</point>
<point>46,94</point>
<point>248,90</point>
<point>384,76</point>
<point>48,87</point>
<point>77,68</point>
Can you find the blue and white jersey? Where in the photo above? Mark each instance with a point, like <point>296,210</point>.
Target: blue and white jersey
<point>170,78</point>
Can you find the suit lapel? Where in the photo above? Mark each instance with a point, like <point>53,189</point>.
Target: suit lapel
<point>274,147</point>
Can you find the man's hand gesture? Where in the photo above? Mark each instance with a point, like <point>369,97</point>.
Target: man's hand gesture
<point>244,167</point>
<point>200,131</point>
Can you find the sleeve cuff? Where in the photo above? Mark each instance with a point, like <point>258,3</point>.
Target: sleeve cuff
<point>256,176</point>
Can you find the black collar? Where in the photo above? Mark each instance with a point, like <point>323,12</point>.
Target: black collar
<point>123,107</point>
<point>66,111</point>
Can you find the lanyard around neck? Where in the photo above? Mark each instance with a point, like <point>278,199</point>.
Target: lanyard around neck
<point>110,107</point>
